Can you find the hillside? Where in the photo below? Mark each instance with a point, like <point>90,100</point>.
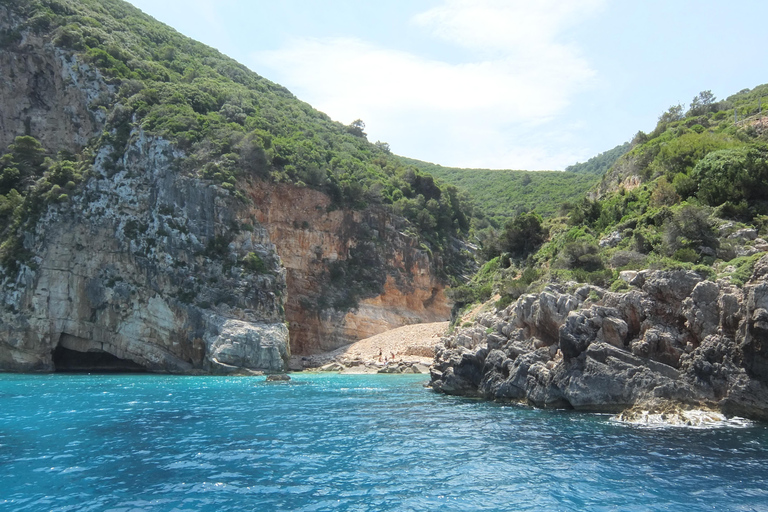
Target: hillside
<point>498,195</point>
<point>165,208</point>
<point>691,194</point>
<point>600,164</point>
<point>231,123</point>
<point>650,298</point>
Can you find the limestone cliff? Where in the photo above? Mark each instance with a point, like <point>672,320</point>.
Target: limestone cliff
<point>134,266</point>
<point>48,93</point>
<point>674,337</point>
<point>328,253</point>
<point>146,265</point>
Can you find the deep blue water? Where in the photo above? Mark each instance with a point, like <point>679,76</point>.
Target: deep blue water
<point>333,442</point>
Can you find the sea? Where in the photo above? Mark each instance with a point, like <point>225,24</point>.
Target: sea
<point>328,442</point>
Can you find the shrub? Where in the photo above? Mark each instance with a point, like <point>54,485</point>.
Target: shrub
<point>686,254</point>
<point>684,185</point>
<point>664,194</point>
<point>254,263</point>
<point>623,259</point>
<point>523,235</point>
<point>582,255</point>
<point>732,175</point>
<point>691,228</point>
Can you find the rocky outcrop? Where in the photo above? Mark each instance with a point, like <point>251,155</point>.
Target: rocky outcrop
<point>49,94</point>
<point>150,267</point>
<point>331,254</point>
<point>674,338</point>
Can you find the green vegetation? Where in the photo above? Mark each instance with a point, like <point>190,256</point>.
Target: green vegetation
<point>498,196</point>
<point>233,125</point>
<point>678,199</point>
<point>28,182</point>
<point>599,165</point>
<point>669,199</point>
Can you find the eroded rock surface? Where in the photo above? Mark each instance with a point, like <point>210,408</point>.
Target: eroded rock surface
<point>676,338</point>
<point>146,265</point>
<point>326,251</point>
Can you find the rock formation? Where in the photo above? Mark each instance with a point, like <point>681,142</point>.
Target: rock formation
<point>675,337</point>
<point>145,265</point>
<point>148,266</point>
<point>329,253</point>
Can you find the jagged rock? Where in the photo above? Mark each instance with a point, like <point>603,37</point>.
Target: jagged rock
<point>702,309</point>
<point>628,275</point>
<point>615,331</point>
<point>541,315</point>
<point>743,234</point>
<point>679,339</point>
<point>122,269</point>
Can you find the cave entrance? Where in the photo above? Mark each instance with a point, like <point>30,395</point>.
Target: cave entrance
<point>92,361</point>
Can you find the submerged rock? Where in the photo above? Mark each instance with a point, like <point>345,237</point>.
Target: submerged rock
<point>679,338</point>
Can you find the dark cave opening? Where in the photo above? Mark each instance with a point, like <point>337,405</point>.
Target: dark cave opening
<point>66,360</point>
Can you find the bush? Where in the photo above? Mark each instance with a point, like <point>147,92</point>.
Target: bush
<point>664,194</point>
<point>689,228</point>
<point>582,255</point>
<point>686,254</point>
<point>684,185</point>
<point>523,235</point>
<point>732,175</point>
<point>254,263</point>
<point>624,259</point>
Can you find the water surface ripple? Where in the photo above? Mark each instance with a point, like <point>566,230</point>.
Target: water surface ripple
<point>347,443</point>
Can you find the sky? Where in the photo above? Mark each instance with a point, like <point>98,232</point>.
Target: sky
<point>495,84</point>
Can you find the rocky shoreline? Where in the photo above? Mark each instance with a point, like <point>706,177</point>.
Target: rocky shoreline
<point>674,338</point>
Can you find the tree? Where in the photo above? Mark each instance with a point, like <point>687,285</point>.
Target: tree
<point>523,235</point>
<point>690,228</point>
<point>702,103</point>
<point>664,194</point>
<point>22,164</point>
<point>357,128</point>
<point>673,113</point>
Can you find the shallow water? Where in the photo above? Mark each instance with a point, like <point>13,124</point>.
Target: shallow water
<point>346,442</point>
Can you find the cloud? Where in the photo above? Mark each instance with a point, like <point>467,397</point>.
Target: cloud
<point>471,112</point>
<point>506,25</point>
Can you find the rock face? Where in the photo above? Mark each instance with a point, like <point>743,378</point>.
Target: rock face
<point>148,267</point>
<point>677,337</point>
<point>145,265</point>
<point>45,92</point>
<point>329,253</point>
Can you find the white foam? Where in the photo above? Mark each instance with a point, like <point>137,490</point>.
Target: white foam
<point>694,418</point>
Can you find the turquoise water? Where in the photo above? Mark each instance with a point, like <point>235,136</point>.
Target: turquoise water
<point>357,443</point>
